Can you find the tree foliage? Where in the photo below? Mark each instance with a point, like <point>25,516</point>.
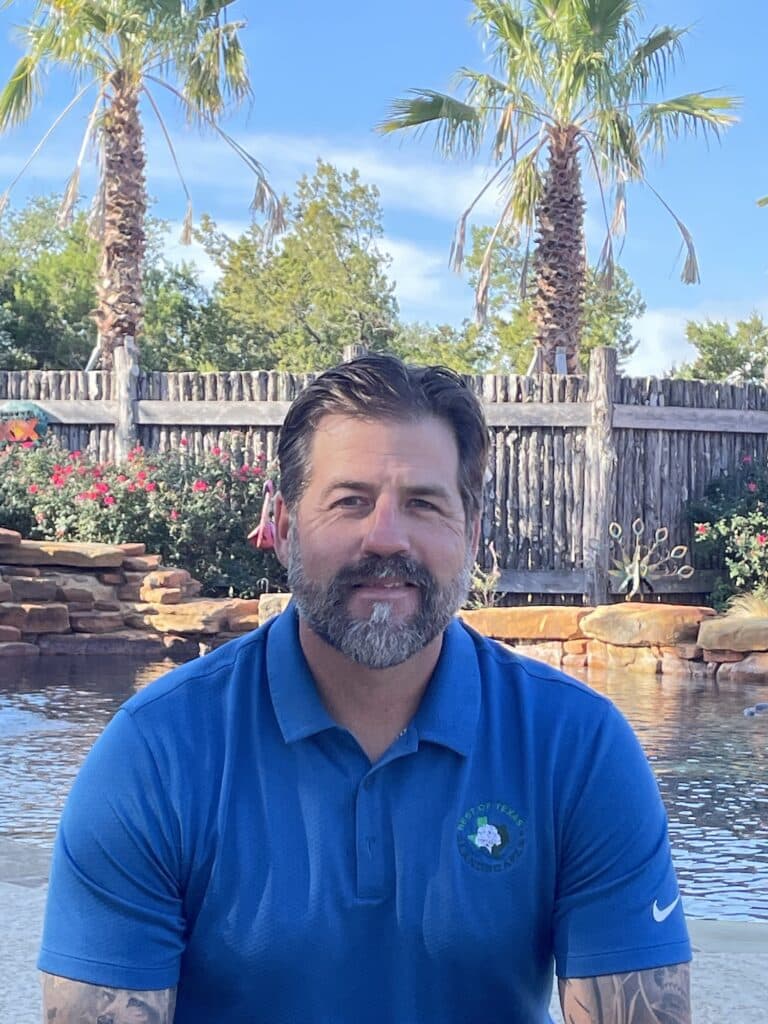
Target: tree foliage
<point>295,304</point>
<point>724,352</point>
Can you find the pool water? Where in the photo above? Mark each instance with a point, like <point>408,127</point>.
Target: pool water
<point>710,760</point>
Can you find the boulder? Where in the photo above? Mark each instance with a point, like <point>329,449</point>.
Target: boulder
<point>684,668</point>
<point>632,659</point>
<point>734,633</point>
<point>271,605</point>
<point>33,588</point>
<point>753,669</point>
<point>167,578</point>
<point>80,587</point>
<point>166,595</point>
<point>244,616</point>
<point>574,662</point>
<point>9,538</point>
<point>577,647</point>
<point>639,625</point>
<point>35,618</point>
<point>688,652</point>
<point>18,650</point>
<point>51,553</point>
<point>530,623</point>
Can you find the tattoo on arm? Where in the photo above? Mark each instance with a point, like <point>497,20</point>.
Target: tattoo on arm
<point>657,996</point>
<point>75,1002</point>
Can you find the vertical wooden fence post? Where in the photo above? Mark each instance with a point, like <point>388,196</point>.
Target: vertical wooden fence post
<point>600,474</point>
<point>353,351</point>
<point>126,389</point>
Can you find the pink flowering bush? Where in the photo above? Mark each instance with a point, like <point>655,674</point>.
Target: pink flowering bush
<point>194,512</point>
<point>731,523</point>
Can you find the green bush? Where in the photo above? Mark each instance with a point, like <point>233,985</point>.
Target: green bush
<point>194,512</point>
<point>731,523</point>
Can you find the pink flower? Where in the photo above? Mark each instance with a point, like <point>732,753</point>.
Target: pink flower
<point>101,488</point>
<point>183,442</point>
<point>215,450</point>
<point>141,475</point>
<point>702,529</point>
<point>75,455</point>
<point>27,444</point>
<point>109,499</point>
<point>752,486</point>
<point>761,538</point>
<point>33,489</point>
<point>131,487</point>
<point>746,460</point>
<point>82,471</point>
<point>121,478</point>
<point>174,514</point>
<point>150,486</point>
<point>199,485</point>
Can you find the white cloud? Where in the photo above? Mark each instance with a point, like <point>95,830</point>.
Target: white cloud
<point>425,287</point>
<point>661,333</point>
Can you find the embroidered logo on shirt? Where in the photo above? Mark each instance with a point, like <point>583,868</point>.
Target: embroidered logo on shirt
<point>662,913</point>
<point>491,836</point>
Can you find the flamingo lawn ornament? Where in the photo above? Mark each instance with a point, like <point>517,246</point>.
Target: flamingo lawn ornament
<point>263,537</point>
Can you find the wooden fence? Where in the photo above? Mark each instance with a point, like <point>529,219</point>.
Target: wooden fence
<point>569,454</point>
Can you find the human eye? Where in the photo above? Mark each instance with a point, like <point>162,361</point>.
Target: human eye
<point>423,504</point>
<point>353,501</point>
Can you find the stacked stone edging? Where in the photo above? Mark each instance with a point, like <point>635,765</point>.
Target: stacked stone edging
<point>107,599</point>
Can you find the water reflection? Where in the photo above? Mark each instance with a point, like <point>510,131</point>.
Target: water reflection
<point>711,763</point>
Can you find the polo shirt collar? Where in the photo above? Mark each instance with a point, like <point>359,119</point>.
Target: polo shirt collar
<point>448,712</point>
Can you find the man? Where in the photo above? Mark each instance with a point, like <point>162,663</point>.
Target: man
<point>363,811</point>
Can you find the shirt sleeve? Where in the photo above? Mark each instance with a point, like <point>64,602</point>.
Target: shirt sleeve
<point>618,906</point>
<point>114,910</point>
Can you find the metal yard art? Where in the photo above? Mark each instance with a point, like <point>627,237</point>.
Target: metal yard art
<point>645,564</point>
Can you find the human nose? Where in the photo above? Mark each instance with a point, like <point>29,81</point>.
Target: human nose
<point>387,532</point>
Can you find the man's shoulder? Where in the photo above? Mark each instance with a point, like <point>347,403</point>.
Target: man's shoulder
<point>502,666</point>
<point>199,680</point>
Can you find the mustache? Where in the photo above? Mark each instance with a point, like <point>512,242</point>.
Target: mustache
<point>388,567</point>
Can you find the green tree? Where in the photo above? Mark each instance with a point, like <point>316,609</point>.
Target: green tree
<point>724,352</point>
<point>296,304</point>
<point>463,349</point>
<point>508,337</point>
<point>47,288</point>
<point>571,87</point>
<point>119,50</point>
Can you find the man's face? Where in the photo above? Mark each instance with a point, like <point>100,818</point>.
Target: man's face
<point>378,550</point>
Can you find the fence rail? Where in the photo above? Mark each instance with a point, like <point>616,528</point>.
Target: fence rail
<point>569,455</point>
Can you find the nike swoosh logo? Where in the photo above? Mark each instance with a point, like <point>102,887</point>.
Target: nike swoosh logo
<point>662,913</point>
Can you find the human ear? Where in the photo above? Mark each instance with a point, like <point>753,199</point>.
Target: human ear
<point>282,521</point>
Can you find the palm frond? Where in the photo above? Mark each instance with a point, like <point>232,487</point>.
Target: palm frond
<point>458,125</point>
<point>456,258</point>
<point>618,146</point>
<point>654,58</point>
<point>187,226</point>
<point>18,96</point>
<point>690,114</point>
<point>525,186</point>
<point>763,201</point>
<point>72,191</point>
<point>605,264</point>
<point>605,21</point>
<point>690,272</point>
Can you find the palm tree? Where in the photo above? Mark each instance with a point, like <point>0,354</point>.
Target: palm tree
<point>575,84</point>
<point>120,48</point>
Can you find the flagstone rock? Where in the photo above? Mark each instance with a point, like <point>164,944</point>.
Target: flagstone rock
<point>537,623</point>
<point>133,550</point>
<point>685,668</point>
<point>753,669</point>
<point>142,563</point>
<point>77,587</point>
<point>20,570</point>
<point>96,622</point>
<point>132,643</point>
<point>18,650</point>
<point>35,588</point>
<point>575,647</point>
<point>201,615</point>
<point>271,605</point>
<point>688,652</point>
<point>734,633</point>
<point>632,659</point>
<point>9,634</point>
<point>36,618</point>
<point>574,662</point>
<point>549,651</point>
<point>9,538</point>
<point>166,595</point>
<point>50,553</point>
<point>244,616</point>
<point>6,594</point>
<point>637,625</point>
<point>722,656</point>
<point>167,578</point>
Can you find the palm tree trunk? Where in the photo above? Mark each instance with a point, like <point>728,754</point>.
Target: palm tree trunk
<point>559,257</point>
<point>120,303</point>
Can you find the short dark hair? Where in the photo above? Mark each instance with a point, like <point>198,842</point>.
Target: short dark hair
<point>384,387</point>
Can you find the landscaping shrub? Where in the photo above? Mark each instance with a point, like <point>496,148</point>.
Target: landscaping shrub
<point>731,522</point>
<point>194,512</point>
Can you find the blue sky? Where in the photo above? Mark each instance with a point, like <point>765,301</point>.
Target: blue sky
<point>324,74</point>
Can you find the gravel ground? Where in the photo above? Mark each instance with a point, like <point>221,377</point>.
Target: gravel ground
<point>729,976</point>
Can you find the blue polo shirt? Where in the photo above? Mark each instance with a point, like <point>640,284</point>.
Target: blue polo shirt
<point>225,835</point>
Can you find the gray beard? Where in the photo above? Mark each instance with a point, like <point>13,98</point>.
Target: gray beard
<point>378,641</point>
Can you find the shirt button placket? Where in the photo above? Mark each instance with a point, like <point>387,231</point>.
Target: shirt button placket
<point>371,882</point>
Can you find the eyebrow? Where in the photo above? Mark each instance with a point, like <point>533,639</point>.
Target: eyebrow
<point>429,490</point>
